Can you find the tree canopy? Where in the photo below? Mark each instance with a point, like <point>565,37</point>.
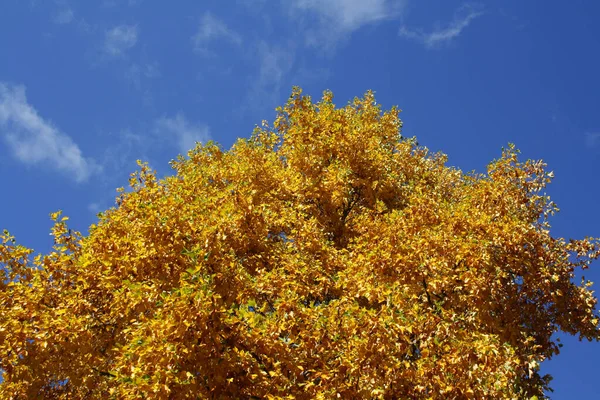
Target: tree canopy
<point>324,257</point>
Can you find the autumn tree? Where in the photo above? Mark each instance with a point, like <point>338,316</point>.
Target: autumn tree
<point>325,257</point>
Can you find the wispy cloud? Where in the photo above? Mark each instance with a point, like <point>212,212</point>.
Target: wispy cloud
<point>136,73</point>
<point>114,3</point>
<point>592,140</point>
<point>35,141</point>
<point>211,28</point>
<point>463,17</point>
<point>274,63</point>
<point>64,16</point>
<point>339,18</point>
<point>126,146</point>
<point>95,208</point>
<point>120,39</point>
<point>185,133</point>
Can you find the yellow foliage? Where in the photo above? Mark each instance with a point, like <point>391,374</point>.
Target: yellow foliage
<point>325,257</point>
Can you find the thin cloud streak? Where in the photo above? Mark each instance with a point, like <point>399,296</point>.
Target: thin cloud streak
<point>348,15</point>
<point>120,39</point>
<point>185,133</point>
<point>274,64</point>
<point>64,16</point>
<point>211,28</point>
<point>440,36</point>
<point>339,18</point>
<point>35,141</point>
<point>592,140</point>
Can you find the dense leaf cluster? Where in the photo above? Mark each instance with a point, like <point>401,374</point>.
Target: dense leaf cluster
<point>324,257</point>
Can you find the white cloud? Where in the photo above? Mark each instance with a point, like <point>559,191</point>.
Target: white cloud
<point>94,208</point>
<point>125,147</point>
<point>348,15</point>
<point>274,66</point>
<point>592,140</point>
<point>136,73</point>
<point>252,4</point>
<point>35,141</point>
<point>338,18</point>
<point>114,3</point>
<point>275,63</point>
<point>464,16</point>
<point>185,133</point>
<point>212,28</point>
<point>64,16</point>
<point>120,39</point>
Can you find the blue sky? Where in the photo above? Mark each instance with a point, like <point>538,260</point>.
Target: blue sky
<point>86,88</point>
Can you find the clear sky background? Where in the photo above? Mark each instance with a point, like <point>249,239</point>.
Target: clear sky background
<point>88,87</point>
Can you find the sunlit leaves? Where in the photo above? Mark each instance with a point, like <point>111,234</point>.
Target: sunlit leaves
<point>325,257</point>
